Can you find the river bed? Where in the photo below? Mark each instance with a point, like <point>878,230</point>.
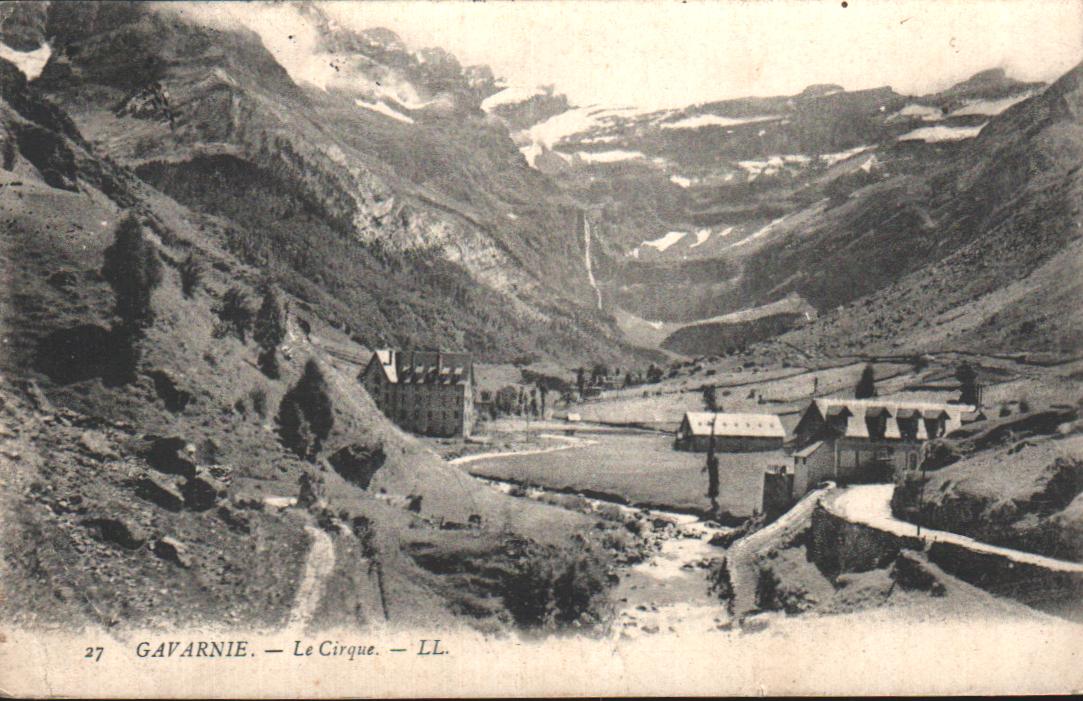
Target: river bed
<point>668,591</point>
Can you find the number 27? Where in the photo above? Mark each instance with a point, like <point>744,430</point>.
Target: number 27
<point>94,653</point>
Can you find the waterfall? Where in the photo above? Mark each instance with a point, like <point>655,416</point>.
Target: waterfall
<point>586,255</point>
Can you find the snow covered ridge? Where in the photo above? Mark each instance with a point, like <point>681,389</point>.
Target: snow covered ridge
<point>714,120</point>
<point>384,109</point>
<point>543,136</point>
<point>31,63</point>
<point>942,133</point>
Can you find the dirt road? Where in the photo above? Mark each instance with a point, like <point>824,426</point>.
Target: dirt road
<point>318,566</point>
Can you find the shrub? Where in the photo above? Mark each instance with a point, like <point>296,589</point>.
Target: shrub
<point>133,270</point>
<point>866,386</point>
<point>551,587</point>
<point>191,274</point>
<point>968,383</point>
<point>767,583</point>
<point>235,315</point>
<point>258,397</point>
<point>269,331</point>
<point>940,452</point>
<point>306,415</point>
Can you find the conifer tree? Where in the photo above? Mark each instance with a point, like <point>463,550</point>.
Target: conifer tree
<point>306,415</point>
<point>866,386</point>
<point>133,270</point>
<point>269,331</point>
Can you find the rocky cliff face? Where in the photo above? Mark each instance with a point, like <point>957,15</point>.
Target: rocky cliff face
<point>723,206</point>
<point>426,204</point>
<point>389,172</point>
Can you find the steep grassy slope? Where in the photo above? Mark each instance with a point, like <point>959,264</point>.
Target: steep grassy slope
<point>1002,262</point>
<point>157,500</point>
<point>1026,495</point>
<point>439,204</point>
<point>981,246</point>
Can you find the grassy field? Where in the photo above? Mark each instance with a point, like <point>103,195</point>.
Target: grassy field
<point>640,469</point>
<point>782,390</point>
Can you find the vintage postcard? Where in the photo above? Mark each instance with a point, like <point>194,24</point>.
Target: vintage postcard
<point>403,349</point>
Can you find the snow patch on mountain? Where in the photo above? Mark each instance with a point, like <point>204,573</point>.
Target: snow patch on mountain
<point>831,159</point>
<point>759,234</point>
<point>989,108</point>
<point>31,63</point>
<point>385,110</point>
<point>510,96</point>
<point>925,112</point>
<point>547,134</point>
<point>609,156</point>
<point>664,242</point>
<point>713,120</point>
<point>701,237</point>
<point>680,181</point>
<point>942,133</point>
<point>773,164</point>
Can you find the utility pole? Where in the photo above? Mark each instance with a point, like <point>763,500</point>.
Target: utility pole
<point>921,495</point>
<point>712,466</point>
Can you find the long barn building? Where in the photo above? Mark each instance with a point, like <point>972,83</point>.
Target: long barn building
<point>733,433</point>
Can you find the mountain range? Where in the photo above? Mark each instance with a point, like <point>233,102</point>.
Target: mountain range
<point>418,202</point>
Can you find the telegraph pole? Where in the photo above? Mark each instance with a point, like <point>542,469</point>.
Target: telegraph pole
<point>712,466</point>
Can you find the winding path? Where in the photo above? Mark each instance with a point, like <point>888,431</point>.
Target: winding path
<point>318,566</point>
<point>871,505</point>
<point>571,443</point>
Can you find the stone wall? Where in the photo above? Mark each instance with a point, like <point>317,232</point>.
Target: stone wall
<point>837,545</point>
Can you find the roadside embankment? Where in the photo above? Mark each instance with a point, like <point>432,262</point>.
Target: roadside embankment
<point>854,531</point>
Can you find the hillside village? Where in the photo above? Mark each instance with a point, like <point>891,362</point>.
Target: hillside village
<point>275,358</point>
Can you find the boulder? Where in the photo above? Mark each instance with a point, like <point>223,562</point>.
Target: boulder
<point>172,550</point>
<point>63,280</point>
<point>236,521</point>
<point>911,571</point>
<point>222,473</point>
<point>119,531</point>
<point>94,444</point>
<point>201,492</point>
<point>160,491</point>
<point>171,455</point>
<point>167,389</point>
<point>358,463</point>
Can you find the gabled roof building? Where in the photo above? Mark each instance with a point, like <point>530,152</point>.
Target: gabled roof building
<point>852,440</point>
<point>426,392</point>
<point>731,432</point>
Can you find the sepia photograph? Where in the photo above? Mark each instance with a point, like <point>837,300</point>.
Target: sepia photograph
<point>554,348</point>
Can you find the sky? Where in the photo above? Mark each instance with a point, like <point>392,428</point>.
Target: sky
<point>665,53</point>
